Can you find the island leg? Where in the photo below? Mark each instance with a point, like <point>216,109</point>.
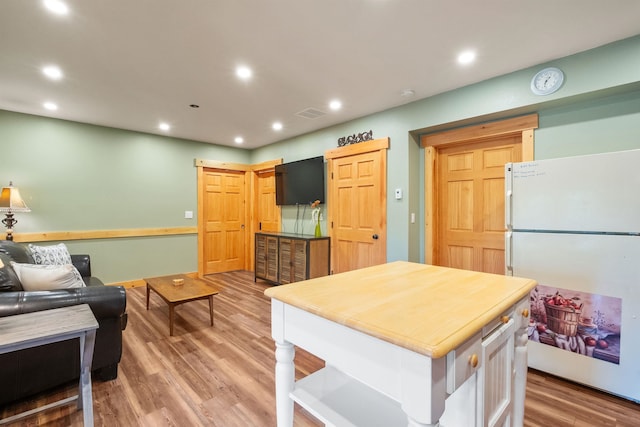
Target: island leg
<point>520,380</point>
<point>423,389</point>
<point>285,379</point>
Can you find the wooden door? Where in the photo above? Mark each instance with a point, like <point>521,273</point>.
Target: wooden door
<point>357,205</point>
<point>464,191</point>
<point>470,209</point>
<point>267,213</point>
<point>224,220</point>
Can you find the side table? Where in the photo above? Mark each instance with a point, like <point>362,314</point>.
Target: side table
<point>48,326</point>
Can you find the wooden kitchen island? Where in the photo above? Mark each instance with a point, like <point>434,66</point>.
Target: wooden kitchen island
<point>401,342</point>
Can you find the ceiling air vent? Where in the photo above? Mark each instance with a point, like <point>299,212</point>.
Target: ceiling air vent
<point>310,113</point>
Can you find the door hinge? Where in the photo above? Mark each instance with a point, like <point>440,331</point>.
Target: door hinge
<point>259,226</point>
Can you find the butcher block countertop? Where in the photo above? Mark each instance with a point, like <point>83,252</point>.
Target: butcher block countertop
<point>424,308</point>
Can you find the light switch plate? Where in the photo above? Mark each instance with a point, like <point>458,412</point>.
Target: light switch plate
<point>398,193</point>
<point>188,214</point>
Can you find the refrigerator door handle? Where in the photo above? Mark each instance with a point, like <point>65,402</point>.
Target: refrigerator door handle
<point>507,213</point>
<point>508,184</point>
<point>508,238</point>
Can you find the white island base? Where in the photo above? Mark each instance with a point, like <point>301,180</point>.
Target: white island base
<point>369,381</point>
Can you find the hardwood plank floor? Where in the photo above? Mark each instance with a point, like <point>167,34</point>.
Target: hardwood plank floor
<point>223,376</point>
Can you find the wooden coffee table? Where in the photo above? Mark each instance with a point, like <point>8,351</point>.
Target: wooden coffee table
<point>191,290</point>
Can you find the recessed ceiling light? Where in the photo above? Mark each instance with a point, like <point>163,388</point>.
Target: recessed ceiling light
<point>335,105</point>
<point>51,106</point>
<point>56,6</point>
<point>466,57</point>
<point>277,126</point>
<point>407,93</point>
<point>52,71</point>
<point>238,140</point>
<point>243,72</point>
<point>164,126</point>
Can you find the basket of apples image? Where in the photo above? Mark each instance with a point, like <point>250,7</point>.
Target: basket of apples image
<point>563,314</point>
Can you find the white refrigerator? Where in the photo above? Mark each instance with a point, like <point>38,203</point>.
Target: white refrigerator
<point>573,224</point>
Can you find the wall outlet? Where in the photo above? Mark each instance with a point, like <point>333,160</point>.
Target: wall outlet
<point>398,193</point>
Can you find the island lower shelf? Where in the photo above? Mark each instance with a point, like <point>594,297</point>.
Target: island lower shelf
<point>337,399</point>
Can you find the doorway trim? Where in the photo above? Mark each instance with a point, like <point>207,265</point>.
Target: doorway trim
<point>523,125</point>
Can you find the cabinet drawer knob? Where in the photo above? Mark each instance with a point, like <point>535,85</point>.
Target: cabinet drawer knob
<point>525,312</point>
<point>473,360</point>
<point>505,319</point>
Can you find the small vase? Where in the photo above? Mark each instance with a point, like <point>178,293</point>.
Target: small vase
<point>318,232</point>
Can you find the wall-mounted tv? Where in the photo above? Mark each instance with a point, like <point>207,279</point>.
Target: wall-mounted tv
<point>301,182</point>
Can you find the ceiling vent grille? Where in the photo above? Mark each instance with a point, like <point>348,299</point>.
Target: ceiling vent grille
<point>310,113</point>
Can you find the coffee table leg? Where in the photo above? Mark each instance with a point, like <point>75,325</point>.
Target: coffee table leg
<point>211,308</point>
<point>171,314</point>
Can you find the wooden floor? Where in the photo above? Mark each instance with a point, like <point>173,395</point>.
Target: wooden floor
<point>224,375</point>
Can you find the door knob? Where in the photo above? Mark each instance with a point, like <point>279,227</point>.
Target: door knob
<point>375,237</point>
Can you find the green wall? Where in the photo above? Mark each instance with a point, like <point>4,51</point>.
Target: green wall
<point>594,111</point>
<point>82,177</point>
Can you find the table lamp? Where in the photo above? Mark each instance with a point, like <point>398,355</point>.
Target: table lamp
<point>11,202</point>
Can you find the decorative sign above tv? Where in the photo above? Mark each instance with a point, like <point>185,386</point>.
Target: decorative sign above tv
<point>301,182</point>
<point>355,138</point>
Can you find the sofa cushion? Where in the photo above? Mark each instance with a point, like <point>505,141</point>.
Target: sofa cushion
<point>50,255</point>
<point>36,277</point>
<point>8,280</point>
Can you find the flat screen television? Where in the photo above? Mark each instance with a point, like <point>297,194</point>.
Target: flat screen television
<point>301,182</point>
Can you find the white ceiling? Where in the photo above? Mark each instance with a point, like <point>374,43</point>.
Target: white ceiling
<point>133,63</point>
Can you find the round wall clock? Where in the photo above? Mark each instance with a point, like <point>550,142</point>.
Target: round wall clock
<point>547,81</point>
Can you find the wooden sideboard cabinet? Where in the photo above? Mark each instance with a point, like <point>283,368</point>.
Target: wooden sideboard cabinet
<point>286,258</point>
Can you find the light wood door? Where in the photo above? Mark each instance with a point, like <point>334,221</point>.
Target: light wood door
<point>357,203</point>
<point>471,204</point>
<point>464,191</point>
<point>267,213</point>
<point>224,220</point>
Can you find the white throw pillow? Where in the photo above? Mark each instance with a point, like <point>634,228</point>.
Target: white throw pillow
<point>47,277</point>
<point>50,255</point>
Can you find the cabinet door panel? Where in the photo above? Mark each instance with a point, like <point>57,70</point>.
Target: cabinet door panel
<point>261,256</point>
<point>272,258</point>
<point>299,262</point>
<point>496,377</point>
<point>286,247</point>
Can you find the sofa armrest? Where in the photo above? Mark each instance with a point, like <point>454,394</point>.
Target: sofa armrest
<point>83,264</point>
<point>105,301</point>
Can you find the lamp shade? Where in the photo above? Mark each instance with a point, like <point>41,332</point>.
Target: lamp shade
<point>10,200</point>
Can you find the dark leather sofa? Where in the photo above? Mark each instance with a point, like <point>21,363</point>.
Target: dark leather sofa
<point>30,371</point>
